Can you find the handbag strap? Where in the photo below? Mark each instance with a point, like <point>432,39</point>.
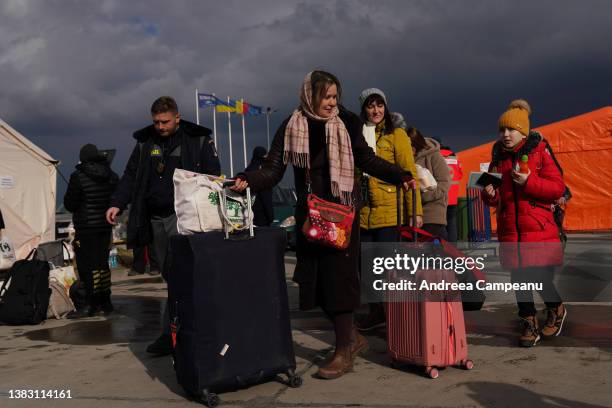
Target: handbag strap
<point>308,186</point>
<point>64,245</point>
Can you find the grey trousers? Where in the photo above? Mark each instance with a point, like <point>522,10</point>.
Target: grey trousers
<point>163,229</point>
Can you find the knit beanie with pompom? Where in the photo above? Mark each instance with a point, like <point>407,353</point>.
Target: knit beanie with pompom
<point>516,117</point>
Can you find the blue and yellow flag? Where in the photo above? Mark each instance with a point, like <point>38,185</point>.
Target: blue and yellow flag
<point>223,106</point>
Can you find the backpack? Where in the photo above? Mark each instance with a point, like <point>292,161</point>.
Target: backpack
<point>24,295</point>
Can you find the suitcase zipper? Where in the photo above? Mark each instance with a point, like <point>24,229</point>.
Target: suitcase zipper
<point>451,335</point>
<point>174,325</point>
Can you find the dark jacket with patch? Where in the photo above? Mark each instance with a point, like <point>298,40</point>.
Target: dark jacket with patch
<point>88,195</point>
<point>197,153</point>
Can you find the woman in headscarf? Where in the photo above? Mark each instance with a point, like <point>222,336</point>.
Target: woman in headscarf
<point>324,143</point>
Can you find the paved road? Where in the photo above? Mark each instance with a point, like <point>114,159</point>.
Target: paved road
<point>103,362</point>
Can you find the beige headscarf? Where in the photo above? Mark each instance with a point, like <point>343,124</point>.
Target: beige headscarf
<point>339,150</point>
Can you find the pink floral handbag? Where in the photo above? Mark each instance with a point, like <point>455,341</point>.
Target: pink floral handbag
<point>328,223</point>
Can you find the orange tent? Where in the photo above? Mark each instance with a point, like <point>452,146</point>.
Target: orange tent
<point>583,147</point>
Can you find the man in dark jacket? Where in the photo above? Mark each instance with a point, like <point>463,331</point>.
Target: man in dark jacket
<point>87,198</point>
<point>263,211</point>
<point>146,185</point>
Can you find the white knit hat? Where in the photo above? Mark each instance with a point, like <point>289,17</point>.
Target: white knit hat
<point>371,91</point>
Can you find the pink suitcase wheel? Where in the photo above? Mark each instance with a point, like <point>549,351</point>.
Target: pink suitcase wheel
<point>432,372</point>
<point>468,365</point>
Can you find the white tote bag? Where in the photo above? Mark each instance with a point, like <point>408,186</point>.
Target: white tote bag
<point>427,182</point>
<point>7,252</point>
<point>64,275</point>
<point>197,201</point>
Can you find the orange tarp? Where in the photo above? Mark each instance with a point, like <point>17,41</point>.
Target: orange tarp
<point>583,147</point>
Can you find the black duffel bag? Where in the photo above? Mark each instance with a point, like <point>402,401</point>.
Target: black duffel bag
<point>24,295</point>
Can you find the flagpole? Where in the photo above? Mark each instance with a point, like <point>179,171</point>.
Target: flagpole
<point>229,135</point>
<point>215,123</point>
<point>268,126</point>
<point>197,108</point>
<point>244,136</point>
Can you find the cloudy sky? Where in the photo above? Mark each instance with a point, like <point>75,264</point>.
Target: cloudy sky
<point>80,71</point>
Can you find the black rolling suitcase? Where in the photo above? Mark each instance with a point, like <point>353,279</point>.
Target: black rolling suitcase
<point>231,311</point>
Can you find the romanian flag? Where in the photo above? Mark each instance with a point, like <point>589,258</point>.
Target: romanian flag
<point>242,108</point>
<point>223,106</point>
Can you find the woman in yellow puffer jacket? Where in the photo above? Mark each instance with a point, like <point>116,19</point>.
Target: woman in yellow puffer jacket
<point>393,145</point>
<point>378,218</point>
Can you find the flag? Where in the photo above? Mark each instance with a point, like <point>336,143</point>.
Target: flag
<point>223,106</point>
<point>255,110</point>
<point>205,100</point>
<point>242,108</point>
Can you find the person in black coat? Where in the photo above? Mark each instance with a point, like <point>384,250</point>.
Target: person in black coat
<point>87,198</point>
<point>326,139</point>
<point>263,210</point>
<point>168,144</point>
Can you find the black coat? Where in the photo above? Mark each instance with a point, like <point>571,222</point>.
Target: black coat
<point>198,154</point>
<point>327,277</point>
<point>88,195</point>
<point>263,209</point>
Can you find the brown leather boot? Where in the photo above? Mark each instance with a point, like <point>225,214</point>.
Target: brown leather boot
<point>554,321</point>
<point>359,344</point>
<point>531,332</point>
<point>339,365</point>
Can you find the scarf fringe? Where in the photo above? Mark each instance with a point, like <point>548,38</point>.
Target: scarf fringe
<point>296,159</point>
<point>346,197</point>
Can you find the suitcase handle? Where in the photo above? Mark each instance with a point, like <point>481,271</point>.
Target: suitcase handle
<point>398,196</point>
<point>250,379</point>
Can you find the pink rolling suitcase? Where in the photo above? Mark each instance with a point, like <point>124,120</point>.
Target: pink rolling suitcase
<point>426,333</point>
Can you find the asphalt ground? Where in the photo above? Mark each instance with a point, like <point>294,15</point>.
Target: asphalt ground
<point>103,363</point>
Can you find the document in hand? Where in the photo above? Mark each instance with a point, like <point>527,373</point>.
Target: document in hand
<point>483,179</point>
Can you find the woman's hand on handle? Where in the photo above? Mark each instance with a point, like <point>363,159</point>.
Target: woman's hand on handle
<point>239,185</point>
<point>408,182</point>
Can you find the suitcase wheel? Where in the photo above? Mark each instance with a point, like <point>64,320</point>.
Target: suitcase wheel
<point>432,372</point>
<point>295,381</point>
<point>468,364</point>
<point>210,399</point>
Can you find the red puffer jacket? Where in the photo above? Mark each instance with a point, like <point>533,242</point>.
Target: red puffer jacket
<point>524,212</point>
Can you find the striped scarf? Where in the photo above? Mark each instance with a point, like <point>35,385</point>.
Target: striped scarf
<point>339,150</point>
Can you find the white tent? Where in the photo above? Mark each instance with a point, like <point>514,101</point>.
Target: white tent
<point>27,191</point>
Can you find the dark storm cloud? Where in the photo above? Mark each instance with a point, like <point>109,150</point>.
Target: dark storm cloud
<point>75,72</point>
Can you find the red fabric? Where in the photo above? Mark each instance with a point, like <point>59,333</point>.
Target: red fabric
<point>328,223</point>
<point>456,172</point>
<point>535,219</point>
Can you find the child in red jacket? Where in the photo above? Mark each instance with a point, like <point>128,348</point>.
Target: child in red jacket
<point>526,229</point>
